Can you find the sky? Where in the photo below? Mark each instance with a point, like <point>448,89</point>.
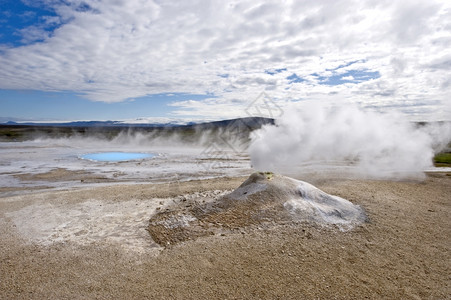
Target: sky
<point>146,61</point>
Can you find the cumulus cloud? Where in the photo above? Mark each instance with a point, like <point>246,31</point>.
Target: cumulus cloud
<point>115,50</point>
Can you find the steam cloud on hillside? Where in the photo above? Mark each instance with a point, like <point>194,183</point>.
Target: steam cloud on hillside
<point>369,144</point>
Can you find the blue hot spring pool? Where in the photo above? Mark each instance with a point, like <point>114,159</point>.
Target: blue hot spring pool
<point>116,156</point>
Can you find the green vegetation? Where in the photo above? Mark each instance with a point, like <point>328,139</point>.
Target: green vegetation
<point>442,159</point>
<point>11,134</point>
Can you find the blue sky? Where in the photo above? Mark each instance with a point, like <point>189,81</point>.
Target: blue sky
<point>192,60</point>
<point>58,104</point>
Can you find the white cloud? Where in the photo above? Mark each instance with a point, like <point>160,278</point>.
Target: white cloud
<point>115,50</point>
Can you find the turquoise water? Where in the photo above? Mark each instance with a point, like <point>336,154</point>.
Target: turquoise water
<point>116,156</point>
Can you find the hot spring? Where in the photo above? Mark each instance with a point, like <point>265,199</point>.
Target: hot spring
<point>116,156</point>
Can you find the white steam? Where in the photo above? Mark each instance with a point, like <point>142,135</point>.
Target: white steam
<point>362,143</point>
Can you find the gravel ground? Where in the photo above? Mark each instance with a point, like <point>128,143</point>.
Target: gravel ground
<point>92,244</point>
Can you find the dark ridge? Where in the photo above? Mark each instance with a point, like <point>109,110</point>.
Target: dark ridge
<point>11,131</point>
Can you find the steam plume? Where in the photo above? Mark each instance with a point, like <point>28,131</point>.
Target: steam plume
<point>369,144</point>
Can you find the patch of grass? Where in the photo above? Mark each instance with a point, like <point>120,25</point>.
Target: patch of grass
<point>10,134</point>
<point>442,160</point>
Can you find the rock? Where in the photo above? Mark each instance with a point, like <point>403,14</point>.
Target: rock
<point>264,198</point>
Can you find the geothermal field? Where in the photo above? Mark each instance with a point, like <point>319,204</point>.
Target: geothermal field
<point>284,211</point>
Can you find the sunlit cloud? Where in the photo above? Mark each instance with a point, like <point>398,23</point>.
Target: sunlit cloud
<point>379,54</point>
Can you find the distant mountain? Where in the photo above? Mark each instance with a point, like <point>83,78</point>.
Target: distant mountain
<point>250,123</point>
<point>240,123</point>
<point>90,124</point>
<point>237,128</point>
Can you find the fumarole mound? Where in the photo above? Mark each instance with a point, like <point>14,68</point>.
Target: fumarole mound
<point>264,199</point>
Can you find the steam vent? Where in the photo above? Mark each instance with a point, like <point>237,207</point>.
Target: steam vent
<point>264,199</point>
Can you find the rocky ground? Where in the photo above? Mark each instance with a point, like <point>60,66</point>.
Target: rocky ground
<point>401,252</point>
